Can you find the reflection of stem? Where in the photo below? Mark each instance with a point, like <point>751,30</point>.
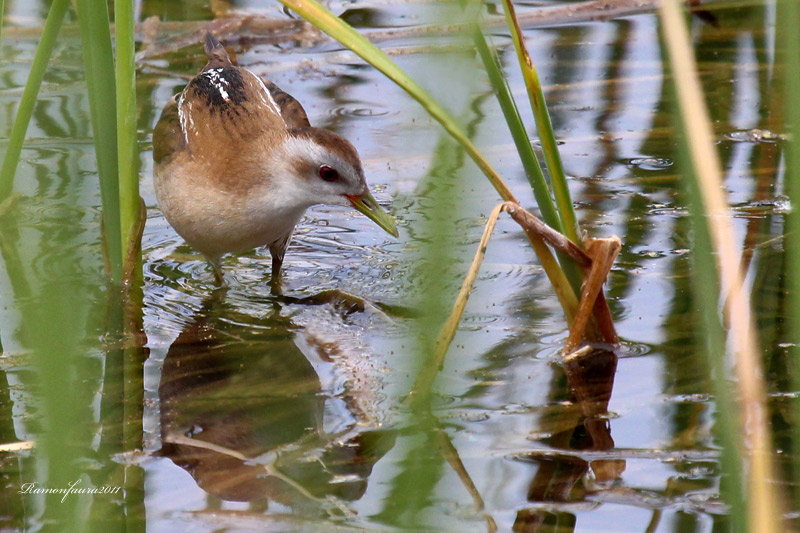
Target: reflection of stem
<point>763,185</point>
<point>11,258</point>
<point>450,453</point>
<point>10,253</point>
<point>270,468</point>
<point>655,520</point>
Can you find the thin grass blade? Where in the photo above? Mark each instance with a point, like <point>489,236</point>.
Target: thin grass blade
<point>789,42</point>
<point>100,78</point>
<point>544,126</point>
<point>127,147</point>
<point>551,215</point>
<point>509,107</point>
<point>43,53</point>
<point>728,424</point>
<point>704,174</point>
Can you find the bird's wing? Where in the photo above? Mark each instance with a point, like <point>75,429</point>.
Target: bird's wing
<point>292,112</point>
<point>168,137</point>
<point>221,82</point>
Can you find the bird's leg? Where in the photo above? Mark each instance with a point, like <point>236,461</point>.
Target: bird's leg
<point>216,264</point>
<point>277,250</point>
<point>277,262</point>
<point>275,278</point>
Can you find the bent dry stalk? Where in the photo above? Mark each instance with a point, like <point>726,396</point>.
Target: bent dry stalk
<point>598,259</point>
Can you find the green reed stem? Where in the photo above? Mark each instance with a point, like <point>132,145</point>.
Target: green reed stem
<point>17,137</point>
<point>509,107</point>
<point>706,291</point>
<point>2,11</point>
<point>541,191</point>
<point>545,128</point>
<point>100,77</point>
<point>132,216</point>
<point>127,147</point>
<point>789,42</point>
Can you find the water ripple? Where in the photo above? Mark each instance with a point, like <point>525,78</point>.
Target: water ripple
<point>361,111</point>
<point>650,163</point>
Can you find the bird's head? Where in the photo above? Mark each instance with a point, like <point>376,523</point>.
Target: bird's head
<point>326,169</point>
<point>252,134</point>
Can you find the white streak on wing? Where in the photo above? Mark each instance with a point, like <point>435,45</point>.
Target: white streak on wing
<point>217,81</point>
<point>182,119</point>
<point>265,91</point>
<point>191,119</point>
<point>222,90</point>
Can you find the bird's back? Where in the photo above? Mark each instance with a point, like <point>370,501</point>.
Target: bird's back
<point>208,149</point>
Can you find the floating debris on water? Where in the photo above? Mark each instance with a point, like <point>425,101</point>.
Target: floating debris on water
<point>756,136</point>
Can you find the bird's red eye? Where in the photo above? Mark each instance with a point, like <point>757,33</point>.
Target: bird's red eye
<point>328,174</point>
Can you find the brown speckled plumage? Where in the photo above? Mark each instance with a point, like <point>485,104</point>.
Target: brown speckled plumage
<point>237,163</point>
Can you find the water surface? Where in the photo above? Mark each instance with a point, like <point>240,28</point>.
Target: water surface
<point>266,413</point>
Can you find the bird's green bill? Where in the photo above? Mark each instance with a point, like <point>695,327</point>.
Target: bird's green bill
<point>367,205</point>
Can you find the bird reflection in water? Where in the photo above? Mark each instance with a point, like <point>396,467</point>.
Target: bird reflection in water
<point>244,411</point>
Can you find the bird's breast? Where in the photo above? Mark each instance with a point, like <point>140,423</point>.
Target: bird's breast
<point>217,219</point>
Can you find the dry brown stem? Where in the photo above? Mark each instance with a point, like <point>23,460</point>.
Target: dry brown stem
<point>602,253</point>
<point>548,234</point>
<point>598,260</point>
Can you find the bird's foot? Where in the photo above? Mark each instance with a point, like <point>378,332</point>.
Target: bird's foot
<point>275,283</point>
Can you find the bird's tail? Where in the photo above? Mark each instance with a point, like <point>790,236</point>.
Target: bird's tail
<point>217,56</point>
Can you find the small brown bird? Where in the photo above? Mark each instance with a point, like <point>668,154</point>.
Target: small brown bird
<point>237,163</point>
